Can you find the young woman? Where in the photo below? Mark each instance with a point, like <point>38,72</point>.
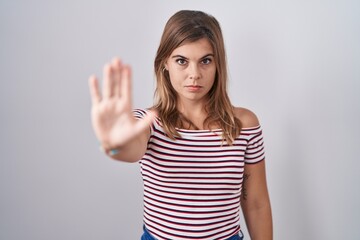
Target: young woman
<point>201,158</point>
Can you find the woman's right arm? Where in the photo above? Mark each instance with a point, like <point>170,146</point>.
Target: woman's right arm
<point>112,118</point>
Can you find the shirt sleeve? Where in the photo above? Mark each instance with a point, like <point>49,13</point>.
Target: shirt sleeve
<point>140,114</point>
<point>255,151</point>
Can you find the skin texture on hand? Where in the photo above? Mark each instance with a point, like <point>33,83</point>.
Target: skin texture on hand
<point>111,114</point>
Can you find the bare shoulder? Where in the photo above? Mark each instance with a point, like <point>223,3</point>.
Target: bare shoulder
<point>247,117</point>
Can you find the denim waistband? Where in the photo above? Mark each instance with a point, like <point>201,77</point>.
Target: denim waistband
<point>147,236</point>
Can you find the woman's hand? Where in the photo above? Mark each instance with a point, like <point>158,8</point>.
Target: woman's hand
<point>111,113</point>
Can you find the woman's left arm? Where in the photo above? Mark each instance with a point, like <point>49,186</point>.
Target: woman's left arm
<point>255,202</point>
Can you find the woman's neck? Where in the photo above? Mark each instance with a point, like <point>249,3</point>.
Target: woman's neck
<point>195,113</point>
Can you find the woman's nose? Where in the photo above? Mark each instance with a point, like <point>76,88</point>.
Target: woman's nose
<point>194,72</point>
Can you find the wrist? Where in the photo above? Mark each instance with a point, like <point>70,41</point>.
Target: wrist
<point>111,151</point>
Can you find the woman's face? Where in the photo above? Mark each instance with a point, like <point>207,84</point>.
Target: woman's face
<point>192,70</point>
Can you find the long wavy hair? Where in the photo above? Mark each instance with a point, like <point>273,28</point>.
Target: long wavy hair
<point>183,27</point>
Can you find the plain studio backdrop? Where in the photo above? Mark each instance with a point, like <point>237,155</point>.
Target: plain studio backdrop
<point>296,64</point>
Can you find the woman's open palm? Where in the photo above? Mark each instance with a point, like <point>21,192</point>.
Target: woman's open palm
<point>111,113</point>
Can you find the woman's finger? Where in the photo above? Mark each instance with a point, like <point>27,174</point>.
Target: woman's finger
<point>116,67</point>
<point>94,90</point>
<point>125,84</point>
<point>107,81</point>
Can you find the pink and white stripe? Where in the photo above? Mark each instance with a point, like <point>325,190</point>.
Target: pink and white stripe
<point>192,185</point>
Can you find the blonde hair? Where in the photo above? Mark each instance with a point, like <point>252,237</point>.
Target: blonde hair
<point>183,27</point>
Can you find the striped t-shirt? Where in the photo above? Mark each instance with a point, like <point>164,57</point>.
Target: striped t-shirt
<point>192,184</point>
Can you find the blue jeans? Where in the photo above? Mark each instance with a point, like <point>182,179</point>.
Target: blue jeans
<point>147,236</point>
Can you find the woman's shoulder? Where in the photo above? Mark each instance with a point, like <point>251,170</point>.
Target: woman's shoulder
<point>140,113</point>
<point>247,117</point>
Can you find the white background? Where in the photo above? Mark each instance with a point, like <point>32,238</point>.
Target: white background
<point>296,64</point>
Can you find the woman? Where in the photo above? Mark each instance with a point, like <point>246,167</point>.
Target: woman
<point>200,156</point>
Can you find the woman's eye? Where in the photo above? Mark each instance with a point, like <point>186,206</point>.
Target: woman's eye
<point>181,61</point>
<point>206,61</point>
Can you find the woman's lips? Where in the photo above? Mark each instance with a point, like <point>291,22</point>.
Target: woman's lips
<point>193,88</point>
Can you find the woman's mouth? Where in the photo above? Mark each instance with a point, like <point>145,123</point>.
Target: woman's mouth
<point>193,88</point>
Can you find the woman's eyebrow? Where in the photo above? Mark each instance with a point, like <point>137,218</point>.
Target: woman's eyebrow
<point>207,55</point>
<point>179,56</point>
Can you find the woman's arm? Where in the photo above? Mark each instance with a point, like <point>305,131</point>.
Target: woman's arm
<point>255,202</point>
